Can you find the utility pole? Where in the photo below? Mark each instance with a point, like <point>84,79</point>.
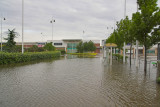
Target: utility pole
<point>111,56</point>
<point>83,41</point>
<point>22,25</point>
<point>124,51</point>
<point>137,45</point>
<point>2,18</point>
<point>52,27</point>
<point>114,35</point>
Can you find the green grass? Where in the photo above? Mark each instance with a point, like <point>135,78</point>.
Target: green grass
<point>91,54</point>
<point>10,58</point>
<point>84,55</point>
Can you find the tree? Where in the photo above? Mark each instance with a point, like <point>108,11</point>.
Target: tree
<point>146,25</point>
<point>91,46</point>
<point>11,44</point>
<point>80,47</point>
<point>86,47</point>
<point>128,32</point>
<point>49,47</point>
<point>111,38</point>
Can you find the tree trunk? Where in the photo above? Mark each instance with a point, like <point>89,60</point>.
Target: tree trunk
<point>130,54</point>
<point>145,60</point>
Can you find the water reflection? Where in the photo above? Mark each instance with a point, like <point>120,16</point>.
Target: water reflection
<point>77,82</point>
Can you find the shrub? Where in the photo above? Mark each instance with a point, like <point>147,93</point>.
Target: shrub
<point>49,47</point>
<point>34,48</point>
<point>12,49</point>
<point>8,58</point>
<point>119,57</point>
<point>63,52</point>
<point>158,80</point>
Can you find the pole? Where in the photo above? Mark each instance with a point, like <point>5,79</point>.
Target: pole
<point>1,33</point>
<point>111,57</point>
<point>22,25</point>
<point>137,45</point>
<point>83,41</point>
<point>136,53</point>
<point>124,53</point>
<point>52,29</point>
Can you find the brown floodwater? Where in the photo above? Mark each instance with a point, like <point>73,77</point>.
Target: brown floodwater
<point>78,82</point>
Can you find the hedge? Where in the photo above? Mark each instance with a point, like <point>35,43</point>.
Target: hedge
<point>9,58</point>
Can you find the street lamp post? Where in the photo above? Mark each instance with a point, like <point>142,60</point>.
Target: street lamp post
<point>22,25</point>
<point>52,27</point>
<point>83,40</point>
<point>2,18</point>
<point>137,44</point>
<point>124,49</point>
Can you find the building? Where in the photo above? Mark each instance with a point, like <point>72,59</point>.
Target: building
<point>150,52</point>
<point>69,45</point>
<point>30,44</point>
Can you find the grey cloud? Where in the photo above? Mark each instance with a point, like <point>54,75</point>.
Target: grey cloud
<point>72,17</point>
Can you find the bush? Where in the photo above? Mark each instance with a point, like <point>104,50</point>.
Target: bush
<point>119,57</point>
<point>63,52</point>
<point>8,58</point>
<point>12,49</point>
<point>34,48</point>
<point>49,47</point>
<point>158,80</point>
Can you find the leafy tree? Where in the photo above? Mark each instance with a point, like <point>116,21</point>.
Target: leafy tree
<point>146,25</point>
<point>80,47</point>
<point>111,38</point>
<point>49,47</point>
<point>86,47</point>
<point>91,46</point>
<point>118,40</point>
<point>128,32</point>
<point>11,44</point>
<point>116,37</point>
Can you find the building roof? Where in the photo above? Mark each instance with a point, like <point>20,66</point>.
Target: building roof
<point>94,41</point>
<point>111,45</point>
<point>70,40</point>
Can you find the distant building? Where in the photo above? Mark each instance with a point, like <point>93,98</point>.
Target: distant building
<point>69,45</point>
<point>30,44</point>
<point>150,52</point>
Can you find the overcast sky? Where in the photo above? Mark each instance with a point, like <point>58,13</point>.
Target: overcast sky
<point>72,18</point>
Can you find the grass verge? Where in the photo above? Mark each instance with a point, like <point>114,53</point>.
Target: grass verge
<point>91,54</point>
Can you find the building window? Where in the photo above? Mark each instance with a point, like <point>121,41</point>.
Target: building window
<point>72,45</point>
<point>57,43</point>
